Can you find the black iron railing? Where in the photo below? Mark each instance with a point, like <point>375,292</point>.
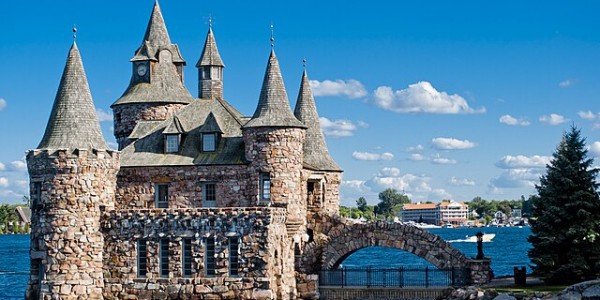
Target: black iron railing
<point>396,277</point>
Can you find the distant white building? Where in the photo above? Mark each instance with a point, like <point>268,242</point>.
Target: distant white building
<point>455,213</point>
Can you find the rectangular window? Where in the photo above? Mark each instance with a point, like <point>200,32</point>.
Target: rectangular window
<point>209,142</point>
<point>171,143</point>
<point>187,257</point>
<point>209,193</point>
<point>142,258</point>
<point>37,195</point>
<point>233,256</point>
<point>161,192</point>
<point>265,187</point>
<point>210,256</point>
<point>164,258</point>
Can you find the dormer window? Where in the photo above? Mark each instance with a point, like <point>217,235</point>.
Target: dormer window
<point>172,143</point>
<point>209,142</point>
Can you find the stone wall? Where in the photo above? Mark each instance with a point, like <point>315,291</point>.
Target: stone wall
<point>66,243</point>
<point>481,271</point>
<point>264,262</point>
<point>136,186</point>
<point>126,116</point>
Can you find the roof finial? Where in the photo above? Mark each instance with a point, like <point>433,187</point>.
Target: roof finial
<point>304,64</point>
<point>74,32</point>
<point>210,21</point>
<point>272,37</point>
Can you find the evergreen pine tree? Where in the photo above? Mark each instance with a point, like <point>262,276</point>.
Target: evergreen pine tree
<point>565,220</point>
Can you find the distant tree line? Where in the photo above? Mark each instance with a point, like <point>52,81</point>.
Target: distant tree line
<point>389,206</point>
<point>486,209</point>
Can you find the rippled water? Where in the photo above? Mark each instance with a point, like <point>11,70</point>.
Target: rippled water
<point>508,249</point>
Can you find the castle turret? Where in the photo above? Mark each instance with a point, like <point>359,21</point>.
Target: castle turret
<point>210,70</point>
<point>156,90</point>
<point>73,177</point>
<point>322,175</point>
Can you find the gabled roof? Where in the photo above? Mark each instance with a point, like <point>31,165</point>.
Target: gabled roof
<point>73,121</point>
<point>211,125</point>
<point>156,38</point>
<point>210,54</point>
<point>24,213</point>
<point>174,127</point>
<point>148,150</point>
<point>273,108</point>
<point>316,155</point>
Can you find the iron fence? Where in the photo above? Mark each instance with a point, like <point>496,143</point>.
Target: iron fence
<point>394,277</point>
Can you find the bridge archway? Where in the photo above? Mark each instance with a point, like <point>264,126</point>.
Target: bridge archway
<point>345,239</point>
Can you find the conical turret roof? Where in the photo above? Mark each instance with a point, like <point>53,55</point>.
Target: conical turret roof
<point>156,38</point>
<point>316,155</point>
<point>273,108</point>
<point>210,54</point>
<point>73,121</point>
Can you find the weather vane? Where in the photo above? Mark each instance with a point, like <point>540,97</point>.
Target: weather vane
<point>210,21</point>
<point>304,63</point>
<point>74,32</point>
<point>272,37</point>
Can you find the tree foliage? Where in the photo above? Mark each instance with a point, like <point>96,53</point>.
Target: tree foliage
<point>565,224</point>
<point>390,202</point>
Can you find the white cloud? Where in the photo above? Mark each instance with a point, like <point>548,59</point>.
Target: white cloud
<point>443,160</point>
<point>22,184</point>
<point>113,145</point>
<point>416,157</point>
<point>372,156</point>
<point>417,148</point>
<point>350,88</point>
<point>104,116</point>
<point>18,165</point>
<point>407,182</point>
<point>510,120</point>
<point>552,119</point>
<point>588,115</point>
<point>2,167</point>
<point>2,104</point>
<point>440,194</point>
<point>522,161</point>
<point>389,172</point>
<point>595,148</point>
<point>451,144</point>
<point>565,83</point>
<point>461,181</point>
<point>339,128</point>
<point>517,178</point>
<point>3,182</point>
<point>421,97</point>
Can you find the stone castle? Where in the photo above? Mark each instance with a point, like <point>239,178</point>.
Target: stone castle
<point>200,201</point>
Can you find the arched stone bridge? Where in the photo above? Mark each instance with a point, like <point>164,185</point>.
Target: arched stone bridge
<point>335,238</point>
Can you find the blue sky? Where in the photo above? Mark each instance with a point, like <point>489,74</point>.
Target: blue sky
<point>438,99</point>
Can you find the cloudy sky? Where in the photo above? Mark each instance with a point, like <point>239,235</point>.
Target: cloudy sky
<point>438,99</point>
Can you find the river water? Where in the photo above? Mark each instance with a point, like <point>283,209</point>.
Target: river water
<point>507,249</point>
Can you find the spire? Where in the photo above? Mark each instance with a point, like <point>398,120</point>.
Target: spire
<point>156,38</point>
<point>73,121</point>
<point>273,106</point>
<point>210,54</point>
<point>316,155</point>
<point>156,32</point>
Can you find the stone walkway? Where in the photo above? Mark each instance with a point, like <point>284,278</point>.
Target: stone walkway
<point>510,282</point>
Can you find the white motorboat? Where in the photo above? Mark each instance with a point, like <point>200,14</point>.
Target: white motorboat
<point>487,237</point>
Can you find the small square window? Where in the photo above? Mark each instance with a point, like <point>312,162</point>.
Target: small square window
<point>209,193</point>
<point>209,142</point>
<point>171,143</point>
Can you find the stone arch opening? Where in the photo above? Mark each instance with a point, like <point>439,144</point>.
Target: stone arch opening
<point>381,257</point>
<point>345,239</point>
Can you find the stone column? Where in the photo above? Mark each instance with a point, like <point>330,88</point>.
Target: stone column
<point>66,241</point>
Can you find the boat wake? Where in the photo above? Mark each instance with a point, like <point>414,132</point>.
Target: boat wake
<point>467,241</point>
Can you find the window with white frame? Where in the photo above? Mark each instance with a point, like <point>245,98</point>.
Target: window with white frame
<point>209,194</point>
<point>209,142</point>
<point>161,195</point>
<point>265,187</point>
<point>171,143</point>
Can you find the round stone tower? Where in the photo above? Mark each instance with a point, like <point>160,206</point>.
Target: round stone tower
<point>274,141</point>
<point>73,177</point>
